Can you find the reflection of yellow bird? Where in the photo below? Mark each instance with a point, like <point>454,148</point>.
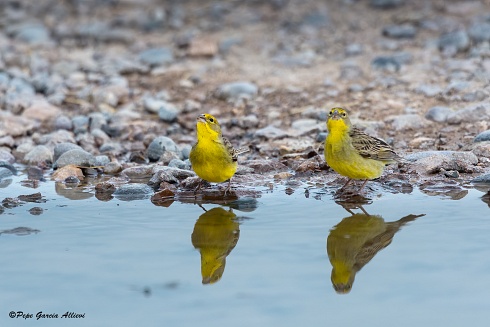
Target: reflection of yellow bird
<point>215,234</point>
<point>354,241</point>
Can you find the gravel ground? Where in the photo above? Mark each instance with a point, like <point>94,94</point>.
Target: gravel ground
<point>113,88</point>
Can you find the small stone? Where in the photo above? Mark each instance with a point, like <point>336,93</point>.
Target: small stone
<point>484,179</point>
<point>407,122</point>
<point>41,111</point>
<point>483,136</point>
<point>6,156</point>
<point>404,31</point>
<point>386,4</point>
<point>38,155</point>
<point>451,174</point>
<point>186,151</point>
<point>5,173</point>
<point>61,148</point>
<point>203,47</point>
<point>353,49</point>
<point>270,132</point>
<point>481,149</point>
<point>473,113</point>
<point>76,157</point>
<point>236,90</point>
<point>112,168</point>
<point>131,192</point>
<point>138,172</point>
<point>158,147</point>
<point>80,124</point>
<point>157,56</point>
<point>265,165</point>
<point>321,137</point>
<point>177,163</point>
<point>315,163</point>
<point>57,137</point>
<point>32,33</point>
<point>429,90</point>
<point>249,121</point>
<point>168,156</point>
<point>438,114</point>
<point>479,32</point>
<point>283,175</point>
<point>36,211</point>
<point>7,141</point>
<point>153,105</point>
<point>168,112</point>
<point>63,122</point>
<point>63,173</point>
<point>422,142</point>
<point>169,174</point>
<point>454,42</point>
<point>386,63</point>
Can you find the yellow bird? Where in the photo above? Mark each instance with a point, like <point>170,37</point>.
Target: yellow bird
<point>213,158</point>
<point>215,234</point>
<point>354,241</point>
<point>353,153</point>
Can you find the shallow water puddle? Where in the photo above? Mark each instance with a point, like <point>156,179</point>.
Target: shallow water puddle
<point>288,257</point>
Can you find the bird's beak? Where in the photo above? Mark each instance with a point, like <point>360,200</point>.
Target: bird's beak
<point>201,118</point>
<point>336,114</point>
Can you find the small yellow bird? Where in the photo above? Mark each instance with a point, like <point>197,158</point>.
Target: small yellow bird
<point>353,153</point>
<point>215,234</point>
<point>354,241</point>
<point>213,158</point>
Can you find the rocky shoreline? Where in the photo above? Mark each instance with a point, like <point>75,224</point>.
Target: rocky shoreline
<point>113,89</point>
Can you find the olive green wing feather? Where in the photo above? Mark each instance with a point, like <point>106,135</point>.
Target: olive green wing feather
<point>234,153</point>
<point>372,147</point>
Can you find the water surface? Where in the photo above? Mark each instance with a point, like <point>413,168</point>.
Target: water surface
<point>131,263</point>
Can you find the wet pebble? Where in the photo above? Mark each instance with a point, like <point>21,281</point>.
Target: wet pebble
<point>159,146</point>
<point>5,173</point>
<point>138,172</point>
<point>481,179</point>
<point>404,31</point>
<point>74,157</point>
<point>483,136</point>
<point>438,114</point>
<point>157,56</point>
<point>38,155</point>
<point>36,211</point>
<point>131,192</point>
<point>236,90</point>
<point>6,156</point>
<point>169,174</point>
<point>63,173</point>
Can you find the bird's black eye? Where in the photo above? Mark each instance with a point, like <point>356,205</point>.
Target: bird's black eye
<point>211,120</point>
<point>344,114</point>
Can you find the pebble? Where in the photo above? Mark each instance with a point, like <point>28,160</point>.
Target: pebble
<point>265,165</point>
<point>32,33</point>
<point>236,90</point>
<point>454,42</point>
<point>479,32</point>
<point>354,49</point>
<point>386,4</point>
<point>9,166</point>
<point>386,63</point>
<point>407,122</point>
<point>481,179</point>
<point>170,175</point>
<point>5,173</point>
<point>473,113</point>
<point>7,141</point>
<point>57,137</point>
<point>404,31</point>
<point>483,136</point>
<point>186,151</point>
<point>134,191</point>
<point>158,147</point>
<point>39,154</point>
<point>63,173</point>
<point>168,112</point>
<point>41,111</point>
<point>112,168</point>
<point>481,149</point>
<point>438,114</point>
<point>61,148</point>
<point>429,90</point>
<point>249,121</point>
<point>157,57</point>
<point>321,137</point>
<point>177,163</point>
<point>153,105</point>
<point>80,124</point>
<point>271,133</point>
<point>74,157</point>
<point>63,122</point>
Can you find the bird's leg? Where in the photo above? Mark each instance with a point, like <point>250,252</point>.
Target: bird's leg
<point>362,186</point>
<point>198,187</point>
<point>345,185</point>
<point>228,187</point>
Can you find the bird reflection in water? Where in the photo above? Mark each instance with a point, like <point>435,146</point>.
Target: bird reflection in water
<point>215,234</point>
<point>354,241</point>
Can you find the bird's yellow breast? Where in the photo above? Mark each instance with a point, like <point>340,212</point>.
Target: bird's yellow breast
<point>211,161</point>
<point>342,157</point>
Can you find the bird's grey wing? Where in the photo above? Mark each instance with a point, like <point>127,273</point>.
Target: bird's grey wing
<point>232,151</point>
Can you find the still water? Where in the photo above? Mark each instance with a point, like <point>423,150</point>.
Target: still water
<point>287,260</point>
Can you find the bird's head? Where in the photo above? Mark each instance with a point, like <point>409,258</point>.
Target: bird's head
<point>338,118</point>
<point>207,125</point>
<point>342,279</point>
